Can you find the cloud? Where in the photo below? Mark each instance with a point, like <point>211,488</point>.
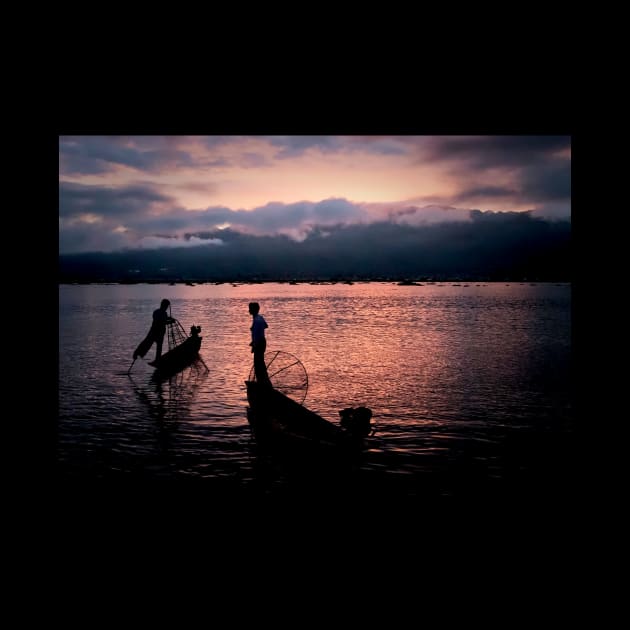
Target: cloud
<point>161,242</point>
<point>77,199</point>
<point>553,211</point>
<point>99,155</point>
<point>128,216</point>
<point>547,181</point>
<point>514,170</point>
<point>297,146</point>
<point>491,245</point>
<point>212,142</point>
<point>279,218</point>
<point>326,212</point>
<point>484,192</point>
<point>77,237</point>
<point>153,206</point>
<point>406,213</point>
<point>253,160</point>
<point>89,155</point>
<point>141,217</point>
<point>484,152</point>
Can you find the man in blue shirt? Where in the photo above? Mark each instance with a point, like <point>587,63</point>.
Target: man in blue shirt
<point>259,344</point>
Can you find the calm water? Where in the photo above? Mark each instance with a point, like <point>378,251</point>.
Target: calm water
<point>469,385</point>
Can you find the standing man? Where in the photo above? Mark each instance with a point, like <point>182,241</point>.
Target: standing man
<point>259,344</point>
<point>156,334</point>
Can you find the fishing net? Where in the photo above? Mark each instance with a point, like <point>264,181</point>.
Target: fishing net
<point>175,334</point>
<point>286,373</point>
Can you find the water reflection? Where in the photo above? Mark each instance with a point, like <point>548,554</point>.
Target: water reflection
<point>303,472</point>
<point>457,379</point>
<point>170,397</point>
<point>168,401</point>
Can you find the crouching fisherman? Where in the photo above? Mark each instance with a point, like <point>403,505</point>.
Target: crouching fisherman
<point>156,333</point>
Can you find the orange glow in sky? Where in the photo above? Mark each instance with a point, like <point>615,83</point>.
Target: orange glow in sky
<point>245,173</point>
<point>118,190</point>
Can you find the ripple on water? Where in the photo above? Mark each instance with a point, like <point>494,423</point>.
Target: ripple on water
<point>464,383</point>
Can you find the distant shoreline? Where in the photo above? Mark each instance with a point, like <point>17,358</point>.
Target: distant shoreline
<point>314,281</point>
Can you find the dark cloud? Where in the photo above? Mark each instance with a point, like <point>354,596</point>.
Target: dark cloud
<point>86,237</point>
<point>99,154</point>
<point>128,201</point>
<point>494,151</point>
<point>538,167</point>
<point>219,163</point>
<point>90,237</point>
<point>137,216</point>
<point>296,146</point>
<point>426,215</point>
<point>547,181</point>
<point>144,212</point>
<point>500,217</point>
<point>102,218</point>
<point>554,211</point>
<point>492,246</point>
<point>212,142</point>
<point>382,145</point>
<point>484,192</point>
<point>77,163</point>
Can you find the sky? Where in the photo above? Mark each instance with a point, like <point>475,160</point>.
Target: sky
<point>152,192</point>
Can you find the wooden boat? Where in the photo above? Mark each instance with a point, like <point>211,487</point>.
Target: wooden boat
<point>181,354</point>
<point>277,419</point>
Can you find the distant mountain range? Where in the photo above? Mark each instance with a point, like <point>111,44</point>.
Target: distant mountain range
<point>491,246</point>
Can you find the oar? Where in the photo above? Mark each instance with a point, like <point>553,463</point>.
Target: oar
<point>204,363</point>
<point>129,370</point>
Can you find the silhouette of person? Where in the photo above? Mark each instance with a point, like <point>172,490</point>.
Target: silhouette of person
<point>259,343</point>
<point>156,333</point>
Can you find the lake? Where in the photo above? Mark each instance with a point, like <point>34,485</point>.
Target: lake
<point>469,384</point>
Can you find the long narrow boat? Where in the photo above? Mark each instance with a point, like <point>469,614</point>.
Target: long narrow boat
<point>182,350</point>
<point>277,419</point>
<point>179,357</point>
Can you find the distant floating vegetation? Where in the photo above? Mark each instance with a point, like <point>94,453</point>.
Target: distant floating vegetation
<point>132,276</point>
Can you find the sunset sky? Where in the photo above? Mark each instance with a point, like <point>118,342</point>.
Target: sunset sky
<point>148,192</point>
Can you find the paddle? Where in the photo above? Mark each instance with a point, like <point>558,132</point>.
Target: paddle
<point>204,363</point>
